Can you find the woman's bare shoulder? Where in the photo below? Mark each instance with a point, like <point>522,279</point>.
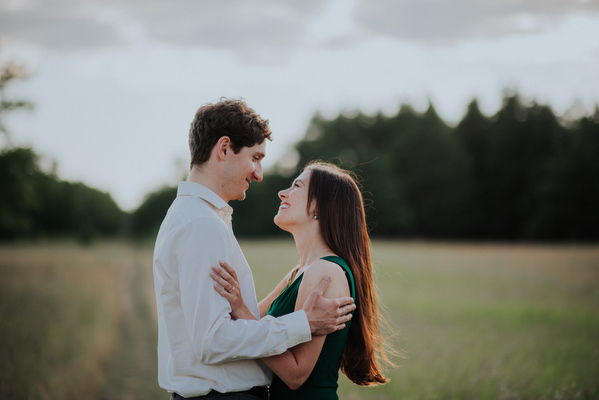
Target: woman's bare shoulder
<point>319,269</point>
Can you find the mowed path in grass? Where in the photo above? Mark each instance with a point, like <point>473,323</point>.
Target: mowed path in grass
<point>77,322</point>
<point>485,321</point>
<point>131,374</point>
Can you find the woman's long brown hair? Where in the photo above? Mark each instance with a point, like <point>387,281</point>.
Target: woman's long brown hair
<point>340,209</point>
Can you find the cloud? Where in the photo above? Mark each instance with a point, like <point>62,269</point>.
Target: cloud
<point>54,25</point>
<point>451,21</point>
<point>235,25</point>
<point>262,30</point>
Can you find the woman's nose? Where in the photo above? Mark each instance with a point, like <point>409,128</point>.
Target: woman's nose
<point>282,194</point>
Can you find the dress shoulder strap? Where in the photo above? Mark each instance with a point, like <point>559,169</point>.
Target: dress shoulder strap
<point>350,277</point>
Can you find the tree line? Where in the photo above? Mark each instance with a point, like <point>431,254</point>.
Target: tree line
<point>35,204</point>
<point>520,174</point>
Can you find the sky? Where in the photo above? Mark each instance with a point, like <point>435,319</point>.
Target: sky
<point>116,83</point>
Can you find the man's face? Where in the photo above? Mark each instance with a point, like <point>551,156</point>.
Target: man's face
<point>242,168</point>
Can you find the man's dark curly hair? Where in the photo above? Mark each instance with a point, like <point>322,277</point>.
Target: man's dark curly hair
<point>227,117</point>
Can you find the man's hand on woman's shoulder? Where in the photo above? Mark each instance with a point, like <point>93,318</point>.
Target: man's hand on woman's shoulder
<point>327,315</point>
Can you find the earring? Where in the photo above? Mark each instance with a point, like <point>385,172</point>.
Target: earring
<point>315,216</point>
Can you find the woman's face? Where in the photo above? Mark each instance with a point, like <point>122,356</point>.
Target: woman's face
<point>294,200</point>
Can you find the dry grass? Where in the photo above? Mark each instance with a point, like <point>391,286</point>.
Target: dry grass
<point>492,321</point>
<point>59,317</point>
<point>484,321</point>
<point>487,321</point>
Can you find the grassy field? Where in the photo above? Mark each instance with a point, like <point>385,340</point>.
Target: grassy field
<point>485,321</point>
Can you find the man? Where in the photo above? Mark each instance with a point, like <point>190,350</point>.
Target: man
<point>202,352</point>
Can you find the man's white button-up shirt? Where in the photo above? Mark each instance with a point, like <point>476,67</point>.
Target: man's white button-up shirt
<point>199,346</point>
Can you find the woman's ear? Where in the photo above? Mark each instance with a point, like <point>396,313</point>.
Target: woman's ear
<point>313,209</point>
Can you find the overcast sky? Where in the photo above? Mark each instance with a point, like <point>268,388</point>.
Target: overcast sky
<point>116,83</point>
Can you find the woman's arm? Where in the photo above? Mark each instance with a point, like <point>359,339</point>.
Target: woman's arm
<point>264,305</point>
<point>295,365</point>
<point>228,287</point>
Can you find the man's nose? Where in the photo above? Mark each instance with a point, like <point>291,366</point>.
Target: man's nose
<point>258,173</point>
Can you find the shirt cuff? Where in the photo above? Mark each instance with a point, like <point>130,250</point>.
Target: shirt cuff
<point>298,327</point>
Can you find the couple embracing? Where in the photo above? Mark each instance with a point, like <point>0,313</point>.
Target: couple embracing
<point>214,339</point>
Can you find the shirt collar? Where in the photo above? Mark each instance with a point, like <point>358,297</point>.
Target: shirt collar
<point>187,188</point>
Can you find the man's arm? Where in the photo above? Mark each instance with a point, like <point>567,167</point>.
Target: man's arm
<point>295,365</point>
<point>324,315</point>
<point>214,336</point>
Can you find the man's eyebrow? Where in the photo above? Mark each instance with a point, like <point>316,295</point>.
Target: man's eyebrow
<point>260,154</point>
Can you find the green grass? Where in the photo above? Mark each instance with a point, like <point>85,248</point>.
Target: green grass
<point>481,321</point>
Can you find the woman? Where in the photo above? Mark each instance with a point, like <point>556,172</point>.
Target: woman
<point>324,211</point>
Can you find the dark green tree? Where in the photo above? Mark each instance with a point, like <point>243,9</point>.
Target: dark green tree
<point>415,175</point>
<point>520,174</point>
<point>37,204</point>
<point>568,196</point>
<point>364,144</point>
<point>34,203</point>
<point>146,220</point>
<point>19,200</point>
<point>253,217</point>
<point>522,144</point>
<point>18,167</point>
<point>435,169</point>
<point>473,134</point>
<point>88,212</point>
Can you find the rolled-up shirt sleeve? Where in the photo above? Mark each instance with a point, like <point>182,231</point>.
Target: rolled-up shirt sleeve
<point>215,337</point>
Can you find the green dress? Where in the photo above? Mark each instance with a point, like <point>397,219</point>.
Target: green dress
<point>322,382</point>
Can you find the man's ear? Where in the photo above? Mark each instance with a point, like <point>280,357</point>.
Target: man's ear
<point>223,146</point>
